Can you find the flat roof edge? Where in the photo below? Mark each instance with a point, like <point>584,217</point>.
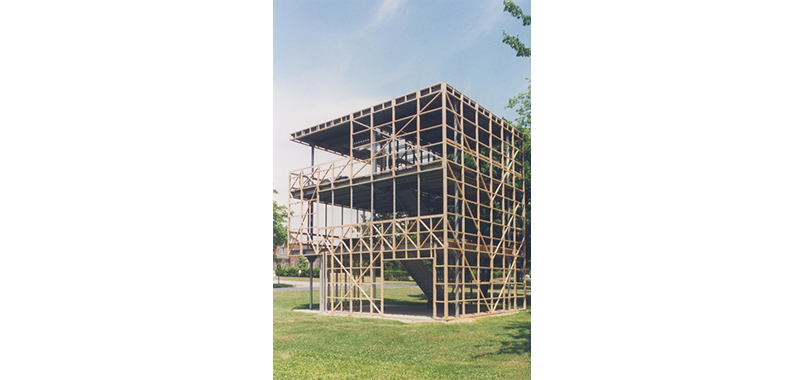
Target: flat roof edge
<point>438,87</point>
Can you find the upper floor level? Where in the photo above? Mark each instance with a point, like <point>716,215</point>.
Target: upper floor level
<point>414,129</point>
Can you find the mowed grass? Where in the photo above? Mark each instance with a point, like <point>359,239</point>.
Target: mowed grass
<point>295,279</point>
<point>309,346</point>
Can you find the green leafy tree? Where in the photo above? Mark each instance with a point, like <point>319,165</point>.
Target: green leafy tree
<point>280,229</point>
<point>280,225</point>
<point>521,49</point>
<point>302,263</point>
<point>521,104</point>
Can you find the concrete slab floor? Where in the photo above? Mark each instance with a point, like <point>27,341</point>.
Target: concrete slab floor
<point>405,314</point>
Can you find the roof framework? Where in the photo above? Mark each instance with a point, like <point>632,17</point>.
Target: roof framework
<point>431,179</point>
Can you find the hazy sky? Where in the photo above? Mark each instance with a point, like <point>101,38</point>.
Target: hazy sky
<point>334,58</point>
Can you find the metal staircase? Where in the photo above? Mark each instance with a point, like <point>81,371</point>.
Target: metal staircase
<point>422,275</point>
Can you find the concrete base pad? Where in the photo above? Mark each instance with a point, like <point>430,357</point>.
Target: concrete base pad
<point>406,314</point>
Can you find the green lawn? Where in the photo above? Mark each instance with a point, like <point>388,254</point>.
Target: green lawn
<point>285,278</point>
<point>308,346</point>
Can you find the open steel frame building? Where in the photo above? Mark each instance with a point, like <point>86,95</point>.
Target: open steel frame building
<point>430,179</point>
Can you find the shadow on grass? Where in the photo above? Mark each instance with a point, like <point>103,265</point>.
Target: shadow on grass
<point>305,306</point>
<point>419,299</point>
<point>419,296</point>
<point>388,301</point>
<point>283,286</point>
<point>515,340</point>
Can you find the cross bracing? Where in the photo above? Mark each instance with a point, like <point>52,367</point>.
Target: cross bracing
<point>431,179</point>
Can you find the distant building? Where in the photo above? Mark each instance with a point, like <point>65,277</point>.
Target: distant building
<point>288,258</point>
<point>283,258</point>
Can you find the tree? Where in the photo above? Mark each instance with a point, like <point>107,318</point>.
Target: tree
<point>513,41</point>
<point>280,225</point>
<point>521,103</point>
<point>302,263</point>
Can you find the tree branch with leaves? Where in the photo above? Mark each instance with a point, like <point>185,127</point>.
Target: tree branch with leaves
<point>280,225</point>
<point>521,49</point>
<point>521,104</point>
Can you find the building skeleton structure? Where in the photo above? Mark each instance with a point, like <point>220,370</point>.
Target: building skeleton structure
<point>431,179</point>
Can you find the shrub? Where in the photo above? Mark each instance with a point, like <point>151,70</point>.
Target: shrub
<point>305,272</point>
<point>396,275</point>
<point>287,271</point>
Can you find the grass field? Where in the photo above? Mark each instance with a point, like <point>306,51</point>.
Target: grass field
<point>308,346</point>
<point>285,278</point>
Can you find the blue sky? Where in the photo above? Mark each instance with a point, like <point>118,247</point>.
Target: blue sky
<point>332,58</point>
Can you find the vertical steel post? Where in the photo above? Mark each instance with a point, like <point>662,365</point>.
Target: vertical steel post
<point>310,262</point>
<point>445,215</point>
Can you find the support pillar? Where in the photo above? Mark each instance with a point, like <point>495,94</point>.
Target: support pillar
<point>310,262</point>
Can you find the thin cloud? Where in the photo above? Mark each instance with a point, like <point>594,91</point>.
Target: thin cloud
<point>300,104</point>
<point>488,20</point>
<point>387,10</point>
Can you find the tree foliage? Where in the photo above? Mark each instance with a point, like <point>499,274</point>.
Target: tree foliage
<point>516,11</point>
<point>521,49</point>
<point>521,104</point>
<point>280,224</point>
<point>287,271</point>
